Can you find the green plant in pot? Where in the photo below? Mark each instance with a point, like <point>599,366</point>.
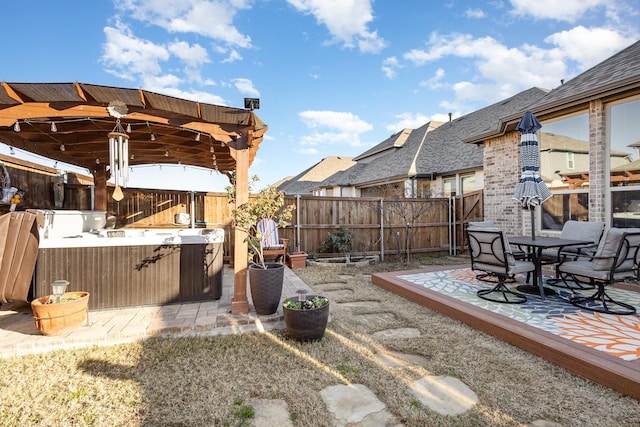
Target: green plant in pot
<point>265,279</point>
<point>306,316</point>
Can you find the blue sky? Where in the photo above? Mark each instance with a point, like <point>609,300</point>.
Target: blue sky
<point>334,77</point>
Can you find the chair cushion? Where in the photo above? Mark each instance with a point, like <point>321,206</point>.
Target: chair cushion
<point>609,246</point>
<point>584,269</point>
<point>582,230</point>
<point>481,224</point>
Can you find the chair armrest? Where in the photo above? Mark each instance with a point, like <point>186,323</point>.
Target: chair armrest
<point>581,252</point>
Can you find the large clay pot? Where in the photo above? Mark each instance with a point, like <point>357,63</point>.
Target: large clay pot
<point>306,325</point>
<point>60,318</point>
<point>266,287</point>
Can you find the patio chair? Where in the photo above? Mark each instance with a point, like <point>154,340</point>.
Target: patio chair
<point>577,230</point>
<point>272,244</point>
<point>490,252</point>
<point>616,260</point>
<point>517,253</point>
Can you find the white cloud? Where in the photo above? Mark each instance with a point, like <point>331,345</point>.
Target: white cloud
<point>342,128</point>
<point>309,151</point>
<point>435,81</point>
<point>193,56</point>
<point>346,20</point>
<point>565,10</point>
<point>389,67</point>
<point>407,120</point>
<point>474,13</point>
<point>213,19</point>
<point>499,71</point>
<point>128,56</point>
<point>233,56</point>
<point>245,86</point>
<point>589,46</point>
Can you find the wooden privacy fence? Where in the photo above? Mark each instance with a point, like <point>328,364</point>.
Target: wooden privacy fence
<point>379,226</point>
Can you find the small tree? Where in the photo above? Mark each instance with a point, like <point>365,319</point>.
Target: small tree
<point>268,203</point>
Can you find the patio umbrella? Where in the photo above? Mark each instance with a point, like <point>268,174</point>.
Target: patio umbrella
<point>531,190</point>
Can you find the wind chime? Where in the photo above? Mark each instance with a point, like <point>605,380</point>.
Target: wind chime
<point>118,149</point>
<point>119,158</point>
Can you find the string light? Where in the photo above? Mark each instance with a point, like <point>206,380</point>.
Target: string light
<point>16,127</point>
<point>198,137</point>
<point>54,128</point>
<point>153,136</point>
<point>62,147</point>
<point>128,127</point>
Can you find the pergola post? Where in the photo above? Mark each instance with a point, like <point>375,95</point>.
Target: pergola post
<point>100,187</point>
<point>240,303</point>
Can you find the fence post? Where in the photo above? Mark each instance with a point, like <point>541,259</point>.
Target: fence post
<point>298,222</point>
<point>452,226</point>
<point>381,229</point>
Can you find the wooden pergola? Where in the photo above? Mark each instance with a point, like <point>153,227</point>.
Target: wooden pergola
<point>70,122</point>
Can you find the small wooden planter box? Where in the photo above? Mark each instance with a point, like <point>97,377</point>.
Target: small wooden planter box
<point>297,259</point>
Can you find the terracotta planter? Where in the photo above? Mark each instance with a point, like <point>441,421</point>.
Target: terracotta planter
<point>266,287</point>
<point>306,325</point>
<point>297,259</point>
<point>57,319</point>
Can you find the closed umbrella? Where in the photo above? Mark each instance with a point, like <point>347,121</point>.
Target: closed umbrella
<point>531,190</point>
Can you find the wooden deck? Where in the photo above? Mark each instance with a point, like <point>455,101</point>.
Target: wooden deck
<point>608,370</point>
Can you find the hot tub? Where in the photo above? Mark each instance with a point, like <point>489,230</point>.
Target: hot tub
<point>133,267</point>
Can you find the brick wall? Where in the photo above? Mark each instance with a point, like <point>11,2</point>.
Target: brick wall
<point>597,160</point>
<point>501,175</point>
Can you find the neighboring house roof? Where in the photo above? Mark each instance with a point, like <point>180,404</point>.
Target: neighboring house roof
<point>447,152</point>
<point>304,182</point>
<point>392,143</point>
<point>433,149</point>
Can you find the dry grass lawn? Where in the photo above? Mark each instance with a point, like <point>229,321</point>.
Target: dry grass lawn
<point>211,381</point>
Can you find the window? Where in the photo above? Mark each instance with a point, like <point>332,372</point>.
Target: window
<point>624,163</point>
<point>468,183</point>
<point>564,167</point>
<point>570,160</point>
<point>449,186</point>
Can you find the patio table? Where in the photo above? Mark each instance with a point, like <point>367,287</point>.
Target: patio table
<point>534,249</point>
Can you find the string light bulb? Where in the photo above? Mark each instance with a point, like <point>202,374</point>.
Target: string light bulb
<point>198,137</point>
<point>54,128</point>
<point>16,127</point>
<point>62,147</point>
<point>128,127</point>
<point>153,136</point>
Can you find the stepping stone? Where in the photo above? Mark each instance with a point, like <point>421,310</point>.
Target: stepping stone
<point>397,333</point>
<point>354,405</point>
<point>270,412</point>
<point>445,395</point>
<point>375,320</point>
